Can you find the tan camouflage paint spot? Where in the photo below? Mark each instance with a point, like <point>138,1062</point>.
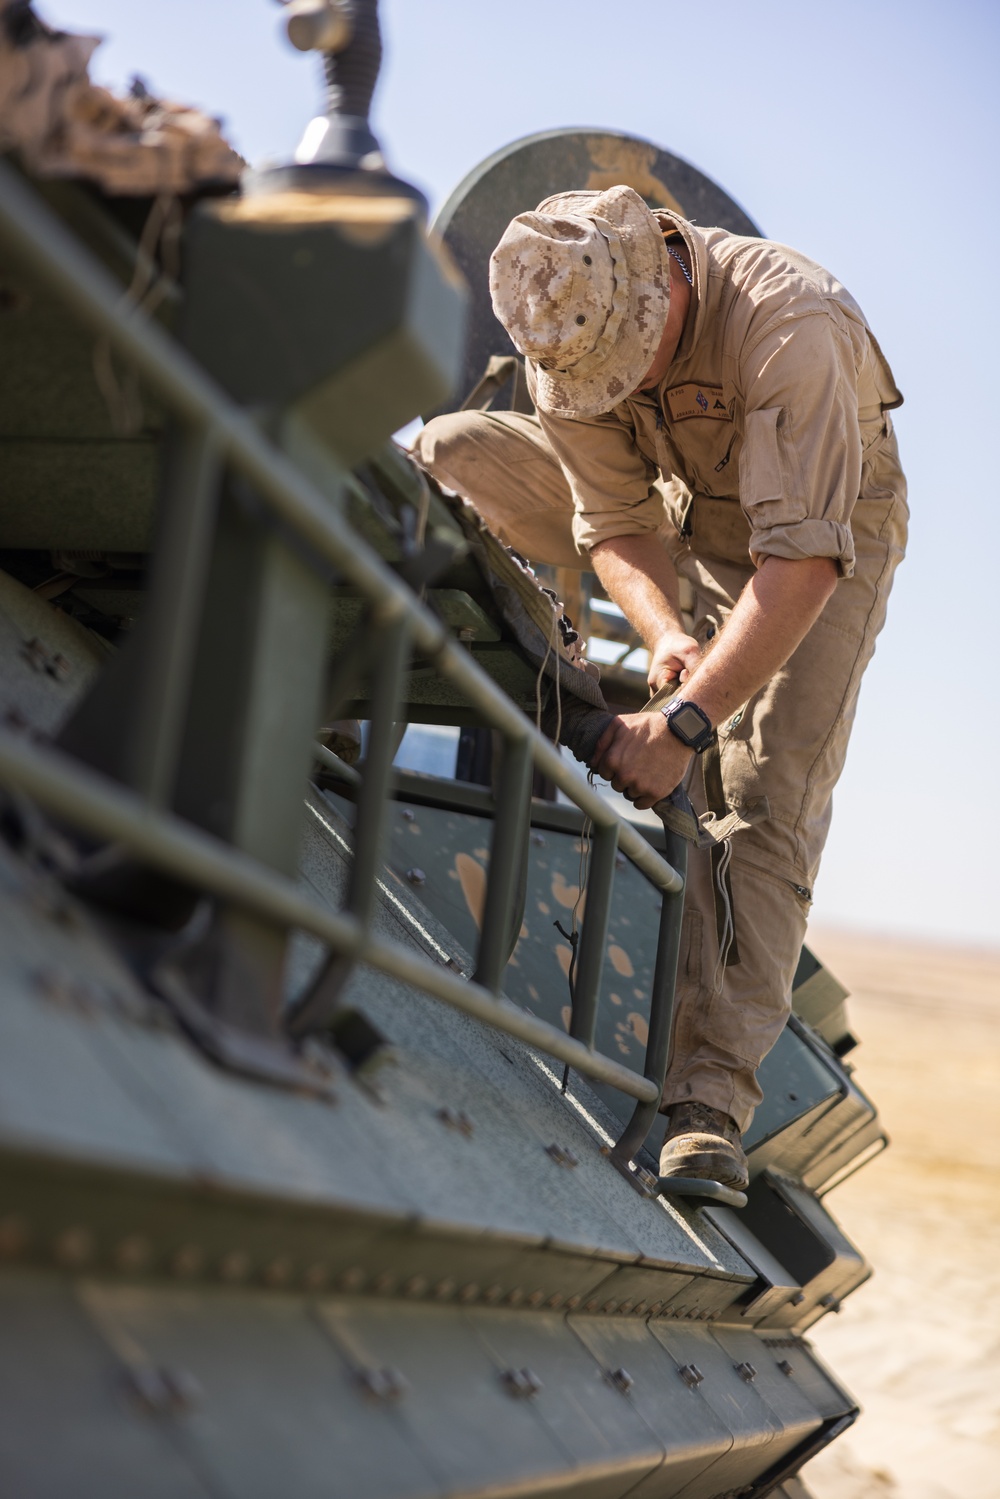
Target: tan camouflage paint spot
<point>566,895</point>
<point>567,1015</point>
<point>532,991</point>
<point>639,1026</point>
<point>545,910</point>
<point>639,993</point>
<point>616,999</point>
<point>564,956</point>
<point>473,878</point>
<point>622,1030</point>
<point>630,162</point>
<point>620,961</point>
<point>414,828</point>
<point>481,853</point>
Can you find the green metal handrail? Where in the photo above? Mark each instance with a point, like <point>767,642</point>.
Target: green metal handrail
<point>218,434</point>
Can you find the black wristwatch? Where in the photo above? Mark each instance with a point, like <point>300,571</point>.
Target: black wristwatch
<point>690,725</point>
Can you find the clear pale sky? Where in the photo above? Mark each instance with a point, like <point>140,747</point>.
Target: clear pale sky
<point>865,136</point>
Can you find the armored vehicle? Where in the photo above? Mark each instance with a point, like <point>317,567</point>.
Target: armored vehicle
<point>328,1086</point>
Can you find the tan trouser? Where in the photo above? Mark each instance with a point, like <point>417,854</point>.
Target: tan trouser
<point>788,743</point>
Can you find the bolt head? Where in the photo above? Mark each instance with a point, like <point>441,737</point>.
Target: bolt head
<point>521,1383</point>
<point>132,1253</point>
<point>382,1384</point>
<point>75,1246</point>
<point>187,1261</point>
<point>278,1272</point>
<point>416,876</point>
<point>13,1237</point>
<point>234,1266</point>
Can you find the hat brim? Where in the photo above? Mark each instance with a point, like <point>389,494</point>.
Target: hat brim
<point>647,273</point>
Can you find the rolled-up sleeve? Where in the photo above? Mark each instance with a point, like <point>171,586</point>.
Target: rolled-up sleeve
<point>610,479</point>
<point>800,464</point>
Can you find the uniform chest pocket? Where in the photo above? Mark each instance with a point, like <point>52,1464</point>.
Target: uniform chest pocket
<point>704,438</point>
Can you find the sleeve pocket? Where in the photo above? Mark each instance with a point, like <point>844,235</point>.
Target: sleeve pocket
<point>762,476</point>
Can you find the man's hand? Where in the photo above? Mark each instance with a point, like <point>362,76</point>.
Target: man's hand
<point>673,659</point>
<point>641,758</point>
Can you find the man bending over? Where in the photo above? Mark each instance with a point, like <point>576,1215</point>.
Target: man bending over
<point>712,406</point>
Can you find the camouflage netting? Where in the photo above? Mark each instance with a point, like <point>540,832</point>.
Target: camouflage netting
<point>61,125</point>
<point>571,698</point>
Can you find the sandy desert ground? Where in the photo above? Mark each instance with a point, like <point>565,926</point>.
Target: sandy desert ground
<point>919,1345</point>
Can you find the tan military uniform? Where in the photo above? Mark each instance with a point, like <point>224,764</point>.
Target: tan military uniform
<point>769,436</point>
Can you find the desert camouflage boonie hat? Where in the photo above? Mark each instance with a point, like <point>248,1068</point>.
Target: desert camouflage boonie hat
<point>582,286</point>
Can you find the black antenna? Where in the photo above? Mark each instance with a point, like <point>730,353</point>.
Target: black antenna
<point>338,151</point>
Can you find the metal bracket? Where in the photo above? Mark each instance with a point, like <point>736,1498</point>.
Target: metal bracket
<point>245,1052</point>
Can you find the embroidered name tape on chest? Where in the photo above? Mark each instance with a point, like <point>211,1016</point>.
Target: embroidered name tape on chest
<point>697,400</point>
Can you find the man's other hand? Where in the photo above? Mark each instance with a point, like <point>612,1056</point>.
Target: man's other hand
<point>640,757</point>
<point>673,659</point>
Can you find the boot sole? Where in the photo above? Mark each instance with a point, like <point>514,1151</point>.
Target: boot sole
<point>707,1166</point>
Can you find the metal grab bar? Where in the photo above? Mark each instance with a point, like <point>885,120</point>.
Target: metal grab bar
<point>220,436</point>
<point>106,809</point>
<point>51,254</point>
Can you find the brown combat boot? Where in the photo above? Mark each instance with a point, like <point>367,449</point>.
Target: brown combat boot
<point>704,1143</point>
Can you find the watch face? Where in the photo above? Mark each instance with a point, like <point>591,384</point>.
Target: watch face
<point>689,721</point>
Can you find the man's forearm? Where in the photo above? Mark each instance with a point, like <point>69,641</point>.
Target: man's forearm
<point>773,614</point>
<point>638,753</point>
<point>638,574</point>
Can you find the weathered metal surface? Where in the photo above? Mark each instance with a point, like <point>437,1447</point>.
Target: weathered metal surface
<point>66,1410</point>
<point>66,477</point>
<point>232,1391</point>
<point>811,1104</point>
<point>788,1219</point>
<point>258,312</point>
<point>48,660</point>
